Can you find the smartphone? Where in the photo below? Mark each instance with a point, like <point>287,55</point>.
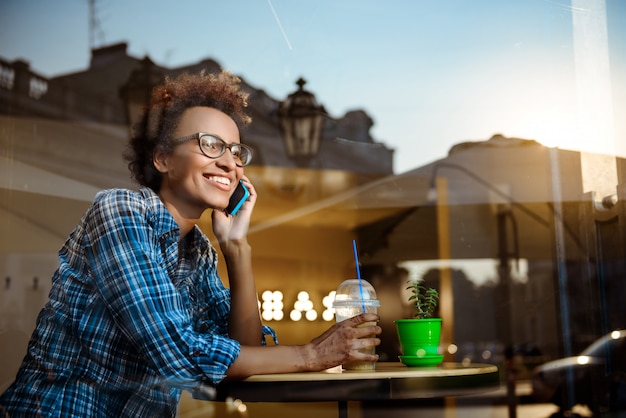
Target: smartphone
<point>240,195</point>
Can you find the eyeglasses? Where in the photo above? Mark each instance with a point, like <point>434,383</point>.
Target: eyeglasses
<point>214,147</point>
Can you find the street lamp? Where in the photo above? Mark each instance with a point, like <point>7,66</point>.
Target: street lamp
<point>136,92</point>
<point>301,120</point>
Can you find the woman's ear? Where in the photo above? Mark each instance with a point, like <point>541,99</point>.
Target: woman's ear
<point>160,161</point>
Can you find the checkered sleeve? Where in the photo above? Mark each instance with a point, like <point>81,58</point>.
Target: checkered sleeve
<point>130,274</point>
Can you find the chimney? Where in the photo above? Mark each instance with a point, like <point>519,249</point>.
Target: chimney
<point>104,55</point>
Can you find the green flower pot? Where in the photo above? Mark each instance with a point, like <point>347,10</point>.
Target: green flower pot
<point>419,341</point>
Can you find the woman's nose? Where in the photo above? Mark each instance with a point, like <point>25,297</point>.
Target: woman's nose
<point>227,159</point>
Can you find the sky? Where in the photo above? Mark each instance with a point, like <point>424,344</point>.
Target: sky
<point>430,73</point>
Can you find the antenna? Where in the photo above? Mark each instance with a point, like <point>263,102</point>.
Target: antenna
<point>92,22</point>
<point>94,25</point>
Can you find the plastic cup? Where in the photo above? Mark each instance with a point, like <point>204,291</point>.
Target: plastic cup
<point>352,299</point>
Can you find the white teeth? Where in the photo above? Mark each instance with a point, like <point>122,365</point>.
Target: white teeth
<point>222,180</point>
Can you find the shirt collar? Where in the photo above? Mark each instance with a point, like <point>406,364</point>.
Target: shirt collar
<point>166,222</point>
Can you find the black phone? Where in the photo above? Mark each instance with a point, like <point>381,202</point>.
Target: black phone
<point>239,196</point>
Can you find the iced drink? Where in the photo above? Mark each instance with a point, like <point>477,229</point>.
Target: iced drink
<point>352,300</point>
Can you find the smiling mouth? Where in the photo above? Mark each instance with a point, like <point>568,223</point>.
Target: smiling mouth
<point>222,180</point>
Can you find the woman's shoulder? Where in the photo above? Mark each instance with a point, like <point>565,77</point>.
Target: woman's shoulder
<point>126,197</point>
<point>120,201</point>
<point>126,206</point>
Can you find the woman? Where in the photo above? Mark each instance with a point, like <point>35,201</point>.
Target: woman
<point>137,312</point>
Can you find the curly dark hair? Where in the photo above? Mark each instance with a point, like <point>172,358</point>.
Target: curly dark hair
<point>168,102</point>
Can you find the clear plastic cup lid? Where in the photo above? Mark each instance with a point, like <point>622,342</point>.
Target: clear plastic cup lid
<point>355,292</point>
<point>356,302</point>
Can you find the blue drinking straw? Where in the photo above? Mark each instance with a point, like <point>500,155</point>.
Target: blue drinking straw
<point>358,273</point>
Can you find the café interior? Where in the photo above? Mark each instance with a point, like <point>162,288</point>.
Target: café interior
<point>525,241</point>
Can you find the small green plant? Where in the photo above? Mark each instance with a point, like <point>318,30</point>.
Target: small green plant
<point>424,299</point>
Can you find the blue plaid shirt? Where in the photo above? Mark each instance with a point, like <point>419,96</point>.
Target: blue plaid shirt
<point>133,318</point>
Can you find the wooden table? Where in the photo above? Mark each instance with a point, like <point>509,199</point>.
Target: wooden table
<point>389,381</point>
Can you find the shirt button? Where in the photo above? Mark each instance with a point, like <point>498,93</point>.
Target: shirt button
<point>196,353</point>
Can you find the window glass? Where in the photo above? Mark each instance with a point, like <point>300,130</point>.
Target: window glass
<point>477,146</point>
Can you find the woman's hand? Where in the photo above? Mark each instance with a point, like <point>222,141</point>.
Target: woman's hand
<point>229,228</point>
<point>244,323</point>
<point>343,341</point>
<point>340,344</point>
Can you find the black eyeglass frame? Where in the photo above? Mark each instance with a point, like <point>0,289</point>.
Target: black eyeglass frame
<point>198,136</point>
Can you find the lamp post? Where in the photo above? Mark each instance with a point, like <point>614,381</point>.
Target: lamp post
<point>136,92</point>
<point>301,120</point>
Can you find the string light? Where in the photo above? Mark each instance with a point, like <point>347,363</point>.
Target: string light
<point>272,306</point>
<point>329,313</point>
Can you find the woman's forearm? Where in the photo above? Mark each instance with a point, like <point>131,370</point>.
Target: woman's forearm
<point>273,359</point>
<point>244,323</point>
<point>344,341</point>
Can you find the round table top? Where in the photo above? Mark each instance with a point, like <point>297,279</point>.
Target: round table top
<point>383,371</point>
<point>387,381</point>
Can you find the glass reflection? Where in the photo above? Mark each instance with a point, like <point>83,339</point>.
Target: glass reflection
<point>477,145</point>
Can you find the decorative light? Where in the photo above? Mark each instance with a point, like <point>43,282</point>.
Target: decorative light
<point>329,313</point>
<point>272,306</point>
<point>301,120</point>
<point>303,304</point>
<point>308,305</point>
<point>295,315</point>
